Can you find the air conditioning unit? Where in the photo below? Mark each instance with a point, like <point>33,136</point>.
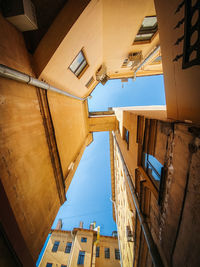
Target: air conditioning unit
<point>21,14</point>
<point>101,75</point>
<point>135,58</point>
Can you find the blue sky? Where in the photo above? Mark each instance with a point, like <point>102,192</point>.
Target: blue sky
<point>88,197</point>
<point>142,92</point>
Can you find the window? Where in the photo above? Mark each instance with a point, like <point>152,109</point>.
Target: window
<point>55,246</point>
<point>79,64</point>
<point>117,254</point>
<point>153,168</point>
<point>147,30</point>
<point>68,247</point>
<point>83,239</point>
<point>126,137</point>
<point>107,253</point>
<point>97,252</point>
<point>81,257</point>
<point>62,265</point>
<point>49,264</point>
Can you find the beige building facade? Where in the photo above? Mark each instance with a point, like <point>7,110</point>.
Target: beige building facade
<point>155,165</point>
<point>44,133</point>
<point>80,247</point>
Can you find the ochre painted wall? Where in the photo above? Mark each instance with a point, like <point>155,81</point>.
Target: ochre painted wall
<point>25,165</point>
<point>181,85</point>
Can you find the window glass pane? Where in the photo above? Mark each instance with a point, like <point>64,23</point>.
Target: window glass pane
<point>49,264</point>
<point>68,247</point>
<point>143,37</point>
<point>55,246</point>
<point>63,265</point>
<point>97,251</point>
<point>83,239</point>
<point>149,22</point>
<point>155,164</point>
<point>81,257</point>
<point>77,61</point>
<point>80,68</point>
<point>117,254</point>
<point>153,168</point>
<point>107,253</point>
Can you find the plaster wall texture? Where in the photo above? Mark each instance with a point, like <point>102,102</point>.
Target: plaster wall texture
<point>177,148</point>
<point>70,259</point>
<point>26,170</point>
<point>105,32</point>
<point>181,85</point>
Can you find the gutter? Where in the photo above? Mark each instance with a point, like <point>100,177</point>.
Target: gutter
<point>145,61</point>
<point>9,73</point>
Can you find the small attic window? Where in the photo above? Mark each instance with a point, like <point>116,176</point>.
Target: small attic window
<point>79,64</point>
<point>147,30</point>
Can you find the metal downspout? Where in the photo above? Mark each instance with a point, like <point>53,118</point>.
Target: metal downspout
<point>16,75</point>
<point>72,247</point>
<point>146,59</point>
<point>155,256</point>
<point>117,232</point>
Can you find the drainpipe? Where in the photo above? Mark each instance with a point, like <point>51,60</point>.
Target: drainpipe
<point>155,256</point>
<point>72,247</point>
<point>16,75</point>
<point>144,62</point>
<point>117,231</point>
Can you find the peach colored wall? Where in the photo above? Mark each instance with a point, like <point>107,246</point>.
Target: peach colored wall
<point>121,23</point>
<point>25,165</point>
<point>105,32</point>
<point>107,242</point>
<point>71,127</point>
<point>60,256</point>
<point>181,85</point>
<point>86,33</point>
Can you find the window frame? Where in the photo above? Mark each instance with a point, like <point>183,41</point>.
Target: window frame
<point>148,166</point>
<point>81,258</point>
<point>107,253</point>
<point>68,247</point>
<point>117,254</point>
<point>97,252</point>
<point>148,30</point>
<point>49,264</point>
<point>126,136</point>
<point>55,246</point>
<point>84,68</point>
<point>84,239</point>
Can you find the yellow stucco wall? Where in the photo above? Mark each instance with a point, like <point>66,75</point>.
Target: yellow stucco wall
<point>106,33</point>
<point>124,214</point>
<point>59,257</point>
<point>25,166</point>
<point>107,242</point>
<point>89,247</point>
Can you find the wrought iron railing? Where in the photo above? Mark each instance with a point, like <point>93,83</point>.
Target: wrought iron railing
<point>191,35</point>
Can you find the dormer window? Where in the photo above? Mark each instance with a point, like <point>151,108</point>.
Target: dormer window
<point>79,64</point>
<point>147,30</point>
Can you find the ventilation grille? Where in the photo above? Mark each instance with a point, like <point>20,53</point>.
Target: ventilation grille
<point>90,82</point>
